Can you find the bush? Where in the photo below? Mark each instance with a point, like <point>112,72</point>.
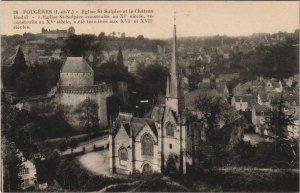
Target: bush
<point>252,181</point>
<point>62,145</point>
<point>67,170</point>
<point>73,143</point>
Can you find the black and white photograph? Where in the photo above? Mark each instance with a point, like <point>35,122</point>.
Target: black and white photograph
<point>149,96</point>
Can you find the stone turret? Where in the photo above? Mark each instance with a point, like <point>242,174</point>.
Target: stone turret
<point>76,84</point>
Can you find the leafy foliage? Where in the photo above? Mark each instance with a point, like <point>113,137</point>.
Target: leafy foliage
<point>152,81</point>
<point>278,123</point>
<point>18,64</point>
<point>11,163</point>
<point>216,111</point>
<point>279,119</point>
<point>120,57</point>
<point>78,45</point>
<point>111,72</point>
<point>88,110</point>
<point>68,169</point>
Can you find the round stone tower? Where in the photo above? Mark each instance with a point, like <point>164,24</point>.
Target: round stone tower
<point>76,84</point>
<point>76,72</point>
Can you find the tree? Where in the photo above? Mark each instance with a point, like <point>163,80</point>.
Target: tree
<point>18,64</point>
<point>88,110</point>
<point>61,146</point>
<point>101,35</point>
<point>152,81</point>
<point>120,57</point>
<point>278,123</point>
<point>26,137</point>
<point>82,179</point>
<point>11,163</point>
<point>71,31</point>
<point>73,143</point>
<point>140,37</point>
<point>112,73</point>
<point>79,45</point>
<point>222,128</point>
<point>23,85</point>
<point>12,119</point>
<point>211,108</point>
<point>279,119</point>
<point>61,172</point>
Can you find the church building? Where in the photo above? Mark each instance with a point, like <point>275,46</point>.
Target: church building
<point>159,143</point>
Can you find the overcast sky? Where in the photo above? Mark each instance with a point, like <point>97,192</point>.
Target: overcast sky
<point>193,18</point>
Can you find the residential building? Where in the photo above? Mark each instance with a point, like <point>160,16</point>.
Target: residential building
<point>260,113</point>
<point>293,129</point>
<point>243,103</point>
<point>27,173</point>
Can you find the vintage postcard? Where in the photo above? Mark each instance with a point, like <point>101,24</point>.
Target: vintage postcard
<point>149,96</point>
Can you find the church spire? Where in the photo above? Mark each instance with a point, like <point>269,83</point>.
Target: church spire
<point>174,92</point>
<point>174,52</point>
<point>174,82</point>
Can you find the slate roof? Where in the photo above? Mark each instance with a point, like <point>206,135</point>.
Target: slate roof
<point>245,98</point>
<point>127,128</point>
<point>137,124</point>
<point>134,125</point>
<point>76,65</point>
<point>262,108</point>
<point>264,96</point>
<point>157,113</point>
<point>275,83</point>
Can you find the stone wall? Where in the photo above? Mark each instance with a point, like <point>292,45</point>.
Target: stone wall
<point>155,160</point>
<point>41,106</point>
<point>122,140</point>
<point>72,100</point>
<point>76,79</point>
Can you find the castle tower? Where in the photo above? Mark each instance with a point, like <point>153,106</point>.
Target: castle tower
<point>174,93</point>
<point>76,85</point>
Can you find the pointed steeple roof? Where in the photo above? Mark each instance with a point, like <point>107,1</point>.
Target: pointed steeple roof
<point>174,80</point>
<point>174,54</point>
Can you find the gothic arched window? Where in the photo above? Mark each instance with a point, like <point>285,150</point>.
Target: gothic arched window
<point>123,154</point>
<point>147,145</point>
<point>170,128</point>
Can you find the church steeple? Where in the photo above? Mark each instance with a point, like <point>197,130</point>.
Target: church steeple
<point>173,87</point>
<point>174,94</point>
<point>174,53</point>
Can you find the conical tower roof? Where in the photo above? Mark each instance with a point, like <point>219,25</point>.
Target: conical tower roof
<point>76,65</point>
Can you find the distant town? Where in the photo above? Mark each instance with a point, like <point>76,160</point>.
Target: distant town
<point>109,113</point>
